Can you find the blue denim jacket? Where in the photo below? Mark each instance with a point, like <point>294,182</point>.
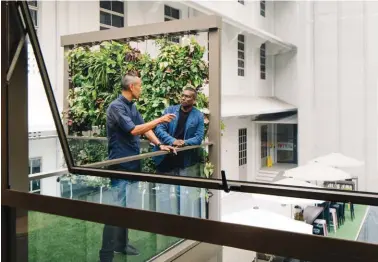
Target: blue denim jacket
<point>194,133</point>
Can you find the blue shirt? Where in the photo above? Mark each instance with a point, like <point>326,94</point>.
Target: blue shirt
<point>122,117</point>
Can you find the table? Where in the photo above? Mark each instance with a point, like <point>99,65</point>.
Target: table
<point>310,213</point>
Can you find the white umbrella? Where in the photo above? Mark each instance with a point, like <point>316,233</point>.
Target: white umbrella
<point>266,219</point>
<point>287,200</point>
<point>337,160</point>
<point>317,172</point>
<point>295,182</point>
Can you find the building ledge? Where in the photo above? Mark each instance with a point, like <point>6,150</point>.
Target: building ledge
<point>274,44</point>
<point>238,106</point>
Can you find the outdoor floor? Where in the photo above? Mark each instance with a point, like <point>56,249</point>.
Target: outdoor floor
<point>350,229</point>
<point>61,239</point>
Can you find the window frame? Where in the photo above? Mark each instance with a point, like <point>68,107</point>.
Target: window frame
<point>31,172</point>
<point>241,69</point>
<point>168,18</point>
<point>243,146</point>
<point>35,9</point>
<point>263,61</point>
<point>228,234</point>
<point>112,13</point>
<point>263,8</point>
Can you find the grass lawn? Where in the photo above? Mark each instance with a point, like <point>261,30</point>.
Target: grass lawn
<point>60,239</point>
<point>349,229</point>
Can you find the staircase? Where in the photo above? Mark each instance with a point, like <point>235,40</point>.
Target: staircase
<point>266,176</point>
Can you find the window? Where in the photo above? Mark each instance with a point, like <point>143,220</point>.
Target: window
<point>241,55</point>
<point>242,146</point>
<point>262,8</point>
<point>170,14</point>
<point>35,167</point>
<point>112,14</point>
<point>241,2</point>
<point>262,62</point>
<point>33,7</point>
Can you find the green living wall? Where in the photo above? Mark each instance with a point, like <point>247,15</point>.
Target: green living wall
<point>95,81</point>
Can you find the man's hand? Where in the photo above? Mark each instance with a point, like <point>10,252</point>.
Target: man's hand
<point>179,142</point>
<point>167,118</point>
<point>168,148</point>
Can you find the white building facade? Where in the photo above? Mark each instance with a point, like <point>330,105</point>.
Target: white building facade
<point>299,79</point>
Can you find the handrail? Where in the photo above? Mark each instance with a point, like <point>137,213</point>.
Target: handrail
<point>141,156</point>
<point>48,174</point>
<point>64,171</point>
<point>100,138</point>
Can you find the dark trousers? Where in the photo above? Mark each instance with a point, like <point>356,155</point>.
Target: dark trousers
<point>116,238</point>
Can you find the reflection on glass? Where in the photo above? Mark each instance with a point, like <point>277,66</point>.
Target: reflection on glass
<point>62,239</point>
<point>331,219</point>
<point>179,200</point>
<point>278,146</point>
<point>229,254</point>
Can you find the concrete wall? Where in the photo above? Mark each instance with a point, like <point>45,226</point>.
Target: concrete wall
<point>247,14</point>
<point>47,150</point>
<point>345,84</point>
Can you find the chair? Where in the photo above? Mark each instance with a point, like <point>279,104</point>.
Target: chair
<point>326,215</point>
<point>338,212</point>
<point>334,223</point>
<point>317,229</point>
<point>342,211</point>
<point>352,216</point>
<point>323,224</point>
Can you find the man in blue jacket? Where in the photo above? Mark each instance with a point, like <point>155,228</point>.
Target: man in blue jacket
<point>186,129</point>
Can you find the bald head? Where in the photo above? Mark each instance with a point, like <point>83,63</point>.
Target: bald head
<point>132,85</point>
<point>129,80</point>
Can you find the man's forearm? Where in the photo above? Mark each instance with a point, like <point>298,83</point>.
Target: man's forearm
<point>152,137</point>
<point>144,128</point>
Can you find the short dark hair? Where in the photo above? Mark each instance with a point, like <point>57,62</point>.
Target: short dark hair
<point>127,80</point>
<point>192,90</point>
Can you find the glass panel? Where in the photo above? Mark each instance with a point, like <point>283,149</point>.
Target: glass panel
<point>240,55</point>
<point>33,3</point>
<point>78,240</point>
<point>105,18</point>
<point>36,166</point>
<point>241,46</point>
<point>175,13</point>
<point>34,15</point>
<point>105,4</point>
<point>117,6</point>
<point>286,146</point>
<point>341,220</point>
<point>179,200</point>
<point>241,38</point>
<point>167,10</point>
<point>241,63</point>
<point>117,21</point>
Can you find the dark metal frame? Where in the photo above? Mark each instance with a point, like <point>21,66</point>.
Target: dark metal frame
<point>239,236</point>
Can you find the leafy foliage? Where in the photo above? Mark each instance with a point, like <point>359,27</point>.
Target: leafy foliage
<point>164,78</point>
<point>96,74</point>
